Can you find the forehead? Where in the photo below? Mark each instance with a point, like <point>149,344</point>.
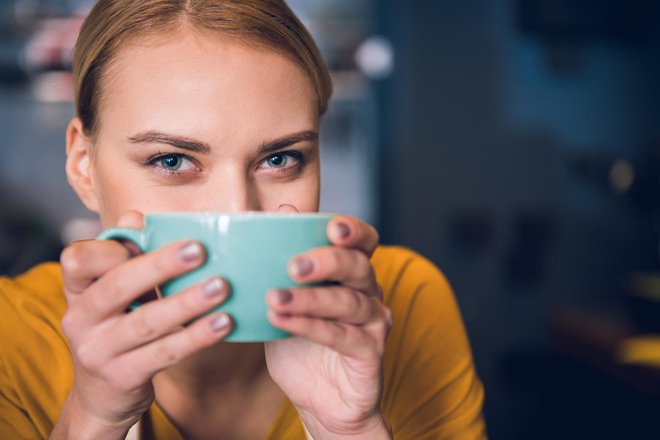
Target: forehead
<point>197,83</point>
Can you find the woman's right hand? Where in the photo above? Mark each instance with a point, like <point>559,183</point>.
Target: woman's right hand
<point>116,354</point>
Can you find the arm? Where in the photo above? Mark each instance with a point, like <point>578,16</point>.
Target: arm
<point>432,390</point>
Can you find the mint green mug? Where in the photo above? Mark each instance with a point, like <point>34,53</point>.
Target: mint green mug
<point>251,250</point>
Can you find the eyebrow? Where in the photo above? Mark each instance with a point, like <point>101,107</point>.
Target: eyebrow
<point>286,141</point>
<point>184,143</point>
<point>156,137</point>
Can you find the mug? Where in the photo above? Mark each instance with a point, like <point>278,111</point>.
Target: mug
<point>251,250</point>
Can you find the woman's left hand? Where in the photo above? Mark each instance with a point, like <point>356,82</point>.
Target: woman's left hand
<point>331,369</point>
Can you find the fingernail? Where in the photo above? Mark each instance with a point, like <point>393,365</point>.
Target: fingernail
<point>284,296</point>
<point>342,230</point>
<point>190,252</point>
<point>212,288</point>
<point>219,322</point>
<point>302,267</point>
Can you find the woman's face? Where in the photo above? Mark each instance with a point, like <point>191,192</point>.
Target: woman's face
<point>197,122</point>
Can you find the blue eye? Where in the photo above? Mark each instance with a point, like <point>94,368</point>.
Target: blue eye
<point>171,162</point>
<point>278,161</point>
<point>284,161</point>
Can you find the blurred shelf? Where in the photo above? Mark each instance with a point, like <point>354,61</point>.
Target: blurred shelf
<point>596,336</point>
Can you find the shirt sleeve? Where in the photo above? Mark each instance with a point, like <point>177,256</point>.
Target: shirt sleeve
<point>15,422</point>
<point>432,391</point>
<point>35,365</point>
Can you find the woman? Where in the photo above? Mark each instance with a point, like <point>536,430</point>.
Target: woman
<point>215,106</point>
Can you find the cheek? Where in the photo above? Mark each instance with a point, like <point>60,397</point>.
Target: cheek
<point>120,191</point>
<point>303,194</point>
<point>115,196</point>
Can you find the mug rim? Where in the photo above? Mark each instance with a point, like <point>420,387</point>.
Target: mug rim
<point>242,215</point>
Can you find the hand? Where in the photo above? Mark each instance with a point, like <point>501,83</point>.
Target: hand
<point>332,370</point>
<point>116,354</point>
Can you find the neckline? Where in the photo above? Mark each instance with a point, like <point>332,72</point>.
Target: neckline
<point>159,426</point>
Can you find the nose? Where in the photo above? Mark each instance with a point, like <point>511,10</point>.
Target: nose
<point>231,191</point>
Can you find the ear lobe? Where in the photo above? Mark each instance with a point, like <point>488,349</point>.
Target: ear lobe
<point>79,170</point>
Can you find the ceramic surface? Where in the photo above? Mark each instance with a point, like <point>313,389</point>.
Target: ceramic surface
<point>250,250</point>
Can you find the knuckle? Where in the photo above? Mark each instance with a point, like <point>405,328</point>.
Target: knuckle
<point>141,325</point>
<point>334,260</point>
<point>305,327</point>
<point>87,355</point>
<point>188,302</point>
<point>353,301</point>
<point>69,325</point>
<point>115,287</point>
<point>378,350</point>
<point>389,318</point>
<point>373,347</point>
<point>357,265</point>
<point>161,263</point>
<point>164,261</point>
<point>384,325</point>
<point>338,334</point>
<point>375,234</point>
<point>335,295</point>
<point>305,299</point>
<point>164,355</point>
<point>361,262</point>
<point>371,308</point>
<point>72,258</point>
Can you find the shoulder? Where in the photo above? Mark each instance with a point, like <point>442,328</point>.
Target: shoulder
<point>35,364</point>
<point>424,311</point>
<point>32,306</point>
<point>405,275</point>
<point>38,292</point>
<point>430,384</point>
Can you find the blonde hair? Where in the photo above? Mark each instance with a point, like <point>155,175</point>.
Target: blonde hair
<point>112,24</point>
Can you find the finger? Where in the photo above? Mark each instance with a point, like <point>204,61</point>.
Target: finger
<point>348,340</point>
<point>351,232</point>
<point>171,349</point>
<point>159,318</point>
<point>349,267</point>
<point>337,303</point>
<point>84,261</point>
<point>119,287</point>
<point>132,220</point>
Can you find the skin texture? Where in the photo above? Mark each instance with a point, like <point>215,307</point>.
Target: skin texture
<point>231,100</point>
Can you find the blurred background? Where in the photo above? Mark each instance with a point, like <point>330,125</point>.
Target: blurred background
<point>515,143</point>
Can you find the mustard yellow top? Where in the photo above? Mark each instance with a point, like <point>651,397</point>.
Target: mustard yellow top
<point>431,388</point>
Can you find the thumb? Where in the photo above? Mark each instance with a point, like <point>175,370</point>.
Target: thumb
<point>131,219</point>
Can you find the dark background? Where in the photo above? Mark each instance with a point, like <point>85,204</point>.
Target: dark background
<point>516,144</point>
<point>502,125</point>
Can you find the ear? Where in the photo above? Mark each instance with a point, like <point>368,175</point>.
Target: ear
<point>79,167</point>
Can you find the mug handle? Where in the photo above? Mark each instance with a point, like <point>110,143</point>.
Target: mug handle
<point>137,236</point>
